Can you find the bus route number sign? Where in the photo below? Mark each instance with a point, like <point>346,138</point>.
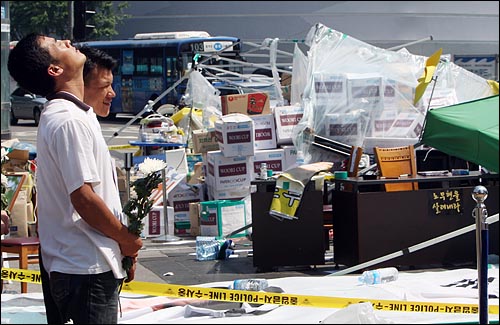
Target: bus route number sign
<point>212,46</point>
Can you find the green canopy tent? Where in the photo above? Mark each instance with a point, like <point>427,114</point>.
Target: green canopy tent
<point>467,130</point>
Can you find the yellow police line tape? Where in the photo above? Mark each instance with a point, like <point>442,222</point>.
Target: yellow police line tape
<point>123,146</point>
<point>260,297</point>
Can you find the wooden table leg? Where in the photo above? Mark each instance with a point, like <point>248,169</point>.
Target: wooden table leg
<point>23,264</point>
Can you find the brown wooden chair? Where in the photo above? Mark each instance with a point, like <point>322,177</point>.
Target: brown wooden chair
<point>397,162</point>
<point>26,249</point>
<point>353,162</point>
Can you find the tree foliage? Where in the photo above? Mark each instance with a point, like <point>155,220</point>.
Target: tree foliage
<point>53,18</point>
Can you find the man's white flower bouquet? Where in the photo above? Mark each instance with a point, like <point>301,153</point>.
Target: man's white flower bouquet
<point>5,203</point>
<point>140,204</point>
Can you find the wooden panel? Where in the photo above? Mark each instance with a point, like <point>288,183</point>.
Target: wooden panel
<point>300,242</point>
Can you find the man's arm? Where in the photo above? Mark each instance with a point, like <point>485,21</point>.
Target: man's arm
<point>5,223</point>
<point>97,214</point>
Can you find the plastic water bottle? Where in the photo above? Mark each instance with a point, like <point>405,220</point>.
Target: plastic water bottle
<point>249,284</point>
<point>207,248</point>
<point>263,170</point>
<point>377,276</point>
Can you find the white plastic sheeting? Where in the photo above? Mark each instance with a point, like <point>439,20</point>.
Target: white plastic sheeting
<point>359,94</point>
<point>425,287</point>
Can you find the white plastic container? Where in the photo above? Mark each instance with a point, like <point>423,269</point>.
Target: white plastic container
<point>377,276</point>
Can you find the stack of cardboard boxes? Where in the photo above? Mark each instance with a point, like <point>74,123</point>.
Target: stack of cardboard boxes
<point>248,134</point>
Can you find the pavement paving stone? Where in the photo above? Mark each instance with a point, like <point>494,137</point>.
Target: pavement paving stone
<point>175,262</point>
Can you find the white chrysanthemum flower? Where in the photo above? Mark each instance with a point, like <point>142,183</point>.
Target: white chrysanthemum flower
<point>4,154</point>
<point>5,181</point>
<point>151,165</point>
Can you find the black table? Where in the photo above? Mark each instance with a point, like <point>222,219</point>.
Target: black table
<point>370,223</point>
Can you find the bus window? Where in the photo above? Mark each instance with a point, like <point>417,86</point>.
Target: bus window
<point>128,62</point>
<point>141,67</point>
<point>148,67</point>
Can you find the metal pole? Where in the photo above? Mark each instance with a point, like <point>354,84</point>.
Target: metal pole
<point>479,194</point>
<point>429,38</point>
<point>166,237</point>
<point>164,199</point>
<point>128,165</point>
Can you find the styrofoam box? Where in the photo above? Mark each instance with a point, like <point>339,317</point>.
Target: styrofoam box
<point>154,223</point>
<point>235,134</point>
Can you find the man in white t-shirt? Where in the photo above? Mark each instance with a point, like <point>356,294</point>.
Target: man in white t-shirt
<point>83,234</point>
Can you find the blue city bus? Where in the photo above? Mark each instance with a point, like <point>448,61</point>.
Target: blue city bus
<point>150,63</point>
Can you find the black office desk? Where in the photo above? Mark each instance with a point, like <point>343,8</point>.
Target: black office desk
<point>370,223</point>
<point>300,241</point>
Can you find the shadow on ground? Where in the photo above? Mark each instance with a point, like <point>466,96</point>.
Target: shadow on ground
<point>189,271</point>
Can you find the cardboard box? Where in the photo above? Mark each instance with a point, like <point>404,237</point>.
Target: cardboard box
<point>235,135</point>
<point>265,131</point>
<point>273,158</point>
<point>290,153</point>
<point>398,95</point>
<point>154,223</point>
<point>248,104</point>
<point>330,89</point>
<point>407,125</point>
<point>193,159</point>
<point>182,228</point>
<point>349,128</point>
<point>235,194</point>
<point>365,91</point>
<point>176,158</point>
<point>197,176</point>
<point>228,173</point>
<point>204,141</point>
<point>194,218</point>
<point>286,118</point>
<point>17,161</point>
<point>221,217</point>
<point>180,198</point>
<point>381,124</point>
<point>19,154</point>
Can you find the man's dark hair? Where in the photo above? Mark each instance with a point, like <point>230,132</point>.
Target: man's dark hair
<point>28,63</point>
<point>95,58</point>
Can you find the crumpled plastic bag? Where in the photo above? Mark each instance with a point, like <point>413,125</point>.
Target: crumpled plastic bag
<point>362,313</point>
